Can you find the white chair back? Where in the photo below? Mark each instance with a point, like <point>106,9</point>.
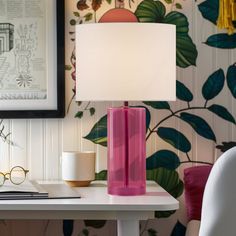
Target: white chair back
<point>219,200</point>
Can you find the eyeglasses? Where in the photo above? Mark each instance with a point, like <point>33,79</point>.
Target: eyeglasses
<point>16,175</point>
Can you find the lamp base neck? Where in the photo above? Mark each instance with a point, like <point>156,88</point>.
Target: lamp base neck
<point>126,103</point>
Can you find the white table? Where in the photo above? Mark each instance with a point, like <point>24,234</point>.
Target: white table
<point>95,203</point>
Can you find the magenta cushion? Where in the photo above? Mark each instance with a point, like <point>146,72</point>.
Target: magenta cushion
<point>195,179</point>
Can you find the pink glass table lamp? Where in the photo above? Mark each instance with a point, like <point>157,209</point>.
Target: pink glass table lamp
<point>126,62</point>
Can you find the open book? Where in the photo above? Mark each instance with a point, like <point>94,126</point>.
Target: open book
<point>28,189</point>
<point>33,190</point>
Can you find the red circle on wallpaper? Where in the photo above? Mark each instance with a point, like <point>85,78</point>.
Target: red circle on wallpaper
<point>118,15</point>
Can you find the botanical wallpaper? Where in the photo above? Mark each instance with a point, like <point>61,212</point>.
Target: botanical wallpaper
<point>162,164</point>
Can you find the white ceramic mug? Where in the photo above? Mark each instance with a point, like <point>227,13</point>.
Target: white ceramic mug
<point>78,168</point>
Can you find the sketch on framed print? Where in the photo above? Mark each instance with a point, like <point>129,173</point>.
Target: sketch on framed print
<point>32,59</point>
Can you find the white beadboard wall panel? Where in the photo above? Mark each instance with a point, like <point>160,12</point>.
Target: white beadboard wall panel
<point>60,147</point>
<point>101,158</point>
<point>19,153</point>
<point>71,130</point>
<point>5,148</point>
<point>53,148</point>
<point>36,149</point>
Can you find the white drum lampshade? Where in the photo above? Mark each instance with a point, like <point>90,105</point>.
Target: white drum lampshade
<point>125,62</point>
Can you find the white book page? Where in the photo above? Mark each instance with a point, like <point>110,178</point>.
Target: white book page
<point>26,186</point>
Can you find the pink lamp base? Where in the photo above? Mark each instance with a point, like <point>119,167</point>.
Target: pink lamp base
<point>126,151</point>
<point>130,190</point>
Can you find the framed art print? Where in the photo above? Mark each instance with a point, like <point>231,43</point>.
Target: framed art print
<point>32,83</point>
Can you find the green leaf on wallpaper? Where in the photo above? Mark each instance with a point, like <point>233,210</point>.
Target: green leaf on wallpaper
<point>152,232</point>
<point>150,11</point>
<point>222,112</point>
<point>163,214</point>
<point>231,79</point>
<point>158,105</point>
<point>79,103</point>
<point>179,230</point>
<point>178,189</point>
<point>167,179</point>
<point>68,227</point>
<point>109,1</point>
<point>178,19</point>
<point>88,16</point>
<point>68,67</point>
<point>98,133</point>
<point>226,146</point>
<point>76,13</point>
<point>92,111</point>
<point>178,6</point>
<point>97,224</point>
<point>102,175</point>
<point>84,232</point>
<point>183,93</point>
<point>174,138</point>
<point>213,85</point>
<point>163,158</point>
<point>148,118</point>
<point>186,52</point>
<point>79,114</point>
<point>199,125</point>
<point>223,41</point>
<point>209,10</point>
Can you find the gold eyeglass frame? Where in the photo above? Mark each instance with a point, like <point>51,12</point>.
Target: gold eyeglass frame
<point>9,174</point>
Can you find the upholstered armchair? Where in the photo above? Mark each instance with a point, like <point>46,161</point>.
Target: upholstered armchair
<point>218,214</point>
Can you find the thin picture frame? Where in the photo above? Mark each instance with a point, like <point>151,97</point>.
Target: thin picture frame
<point>32,64</point>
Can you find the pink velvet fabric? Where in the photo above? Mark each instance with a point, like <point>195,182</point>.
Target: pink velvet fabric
<point>195,179</point>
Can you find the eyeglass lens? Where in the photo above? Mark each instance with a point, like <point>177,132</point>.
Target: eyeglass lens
<point>2,179</point>
<point>17,175</point>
